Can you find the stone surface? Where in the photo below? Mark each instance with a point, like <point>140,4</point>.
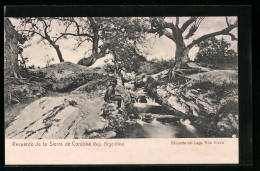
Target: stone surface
<point>58,118</point>
<point>210,99</point>
<point>66,76</point>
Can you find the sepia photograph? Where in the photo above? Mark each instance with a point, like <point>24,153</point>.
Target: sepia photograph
<point>121,77</point>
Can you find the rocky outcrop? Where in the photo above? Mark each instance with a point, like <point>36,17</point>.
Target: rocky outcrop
<point>73,116</point>
<point>65,76</point>
<point>209,99</point>
<point>82,114</point>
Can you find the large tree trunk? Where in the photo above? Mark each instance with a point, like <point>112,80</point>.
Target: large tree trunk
<point>57,48</point>
<point>95,43</point>
<point>181,58</point>
<point>11,50</point>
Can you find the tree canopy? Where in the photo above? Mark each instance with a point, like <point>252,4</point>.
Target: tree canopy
<point>120,36</point>
<point>216,52</point>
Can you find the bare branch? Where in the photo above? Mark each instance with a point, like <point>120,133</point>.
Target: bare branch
<point>225,31</point>
<point>82,34</point>
<point>177,21</point>
<point>66,29</point>
<point>45,26</point>
<point>77,25</point>
<point>63,33</point>
<point>30,31</point>
<point>227,21</point>
<point>187,23</point>
<point>87,39</point>
<point>72,20</point>
<point>233,37</point>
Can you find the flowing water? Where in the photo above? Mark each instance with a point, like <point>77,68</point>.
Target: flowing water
<point>152,127</point>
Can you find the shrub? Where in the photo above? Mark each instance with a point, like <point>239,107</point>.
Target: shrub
<point>216,54</point>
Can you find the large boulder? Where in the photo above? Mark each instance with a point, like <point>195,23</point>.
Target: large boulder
<point>66,76</point>
<point>72,116</point>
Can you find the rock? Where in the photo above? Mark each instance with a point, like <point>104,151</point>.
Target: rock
<point>70,116</point>
<point>173,101</point>
<point>129,86</point>
<point>209,99</point>
<point>66,76</point>
<point>85,126</point>
<point>94,135</point>
<point>160,75</point>
<point>53,115</point>
<point>110,134</point>
<point>105,135</point>
<point>94,86</point>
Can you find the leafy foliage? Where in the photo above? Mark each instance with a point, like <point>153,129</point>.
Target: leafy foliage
<point>123,35</point>
<point>216,53</point>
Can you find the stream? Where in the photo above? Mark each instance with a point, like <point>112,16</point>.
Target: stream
<point>157,122</point>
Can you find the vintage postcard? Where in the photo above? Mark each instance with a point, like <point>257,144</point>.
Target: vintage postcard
<point>121,90</point>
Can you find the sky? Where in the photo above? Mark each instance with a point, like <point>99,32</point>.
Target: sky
<point>161,48</point>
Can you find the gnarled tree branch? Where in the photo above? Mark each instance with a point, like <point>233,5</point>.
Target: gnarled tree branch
<point>187,23</point>
<point>225,31</point>
<point>81,34</point>
<point>233,37</point>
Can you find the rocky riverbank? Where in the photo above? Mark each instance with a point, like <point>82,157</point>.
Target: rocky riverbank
<point>209,99</point>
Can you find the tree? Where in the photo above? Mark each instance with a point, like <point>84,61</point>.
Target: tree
<point>175,32</point>
<point>216,52</point>
<point>42,26</point>
<point>85,29</point>
<point>115,35</point>
<point>124,34</point>
<point>11,49</point>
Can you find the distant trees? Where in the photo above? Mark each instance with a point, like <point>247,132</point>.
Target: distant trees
<point>216,53</point>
